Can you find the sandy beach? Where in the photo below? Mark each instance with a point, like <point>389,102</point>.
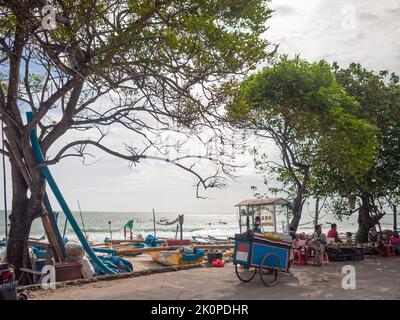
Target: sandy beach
<point>376,278</point>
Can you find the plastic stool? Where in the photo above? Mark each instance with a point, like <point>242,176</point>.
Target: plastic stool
<point>298,255</point>
<point>389,250</point>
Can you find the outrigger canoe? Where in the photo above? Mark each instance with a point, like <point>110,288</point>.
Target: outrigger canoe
<point>115,249</point>
<point>177,258</point>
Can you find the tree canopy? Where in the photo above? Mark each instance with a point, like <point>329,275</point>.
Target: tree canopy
<point>149,67</point>
<point>312,121</point>
<point>378,95</point>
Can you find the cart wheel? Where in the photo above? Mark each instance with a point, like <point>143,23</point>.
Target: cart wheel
<point>269,269</point>
<point>244,272</point>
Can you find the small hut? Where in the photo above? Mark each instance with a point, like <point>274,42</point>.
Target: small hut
<point>273,212</point>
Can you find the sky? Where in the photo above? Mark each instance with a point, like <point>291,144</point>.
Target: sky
<point>364,31</point>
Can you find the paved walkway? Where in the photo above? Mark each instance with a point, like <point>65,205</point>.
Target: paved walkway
<point>376,278</point>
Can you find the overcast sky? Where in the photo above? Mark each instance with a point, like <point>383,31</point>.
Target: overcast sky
<point>364,31</point>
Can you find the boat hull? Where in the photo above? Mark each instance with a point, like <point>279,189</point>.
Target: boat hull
<point>173,258</point>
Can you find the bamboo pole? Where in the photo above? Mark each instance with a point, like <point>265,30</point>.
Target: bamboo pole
<point>123,241</point>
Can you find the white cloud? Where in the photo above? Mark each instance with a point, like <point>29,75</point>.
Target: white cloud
<point>317,29</point>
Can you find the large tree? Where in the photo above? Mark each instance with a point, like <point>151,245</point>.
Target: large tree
<point>378,95</point>
<point>148,66</point>
<point>300,106</point>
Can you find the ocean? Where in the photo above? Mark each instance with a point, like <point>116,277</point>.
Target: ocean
<point>219,225</point>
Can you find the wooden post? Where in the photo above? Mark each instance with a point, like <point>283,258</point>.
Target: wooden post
<point>247,218</point>
<point>154,223</point>
<point>181,228</point>
<point>65,227</point>
<point>394,218</point>
<point>316,211</point>
<point>52,237</point>
<point>109,224</point>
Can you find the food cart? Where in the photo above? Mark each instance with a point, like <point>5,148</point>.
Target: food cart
<point>267,252</point>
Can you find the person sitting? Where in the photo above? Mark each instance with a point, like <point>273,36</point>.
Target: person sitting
<point>333,232</point>
<point>349,238</point>
<point>318,242</point>
<point>373,236</point>
<point>376,239</point>
<point>257,224</point>
<point>395,242</point>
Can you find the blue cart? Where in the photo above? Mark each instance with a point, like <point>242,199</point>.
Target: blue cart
<point>253,254</point>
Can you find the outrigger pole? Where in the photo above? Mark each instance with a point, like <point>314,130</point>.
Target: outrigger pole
<point>57,193</point>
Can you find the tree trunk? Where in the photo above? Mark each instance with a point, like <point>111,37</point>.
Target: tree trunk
<point>297,210</point>
<point>316,212</point>
<point>24,211</point>
<point>20,225</point>
<point>365,221</point>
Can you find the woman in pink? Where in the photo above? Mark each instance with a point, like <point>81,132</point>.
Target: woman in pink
<point>395,242</point>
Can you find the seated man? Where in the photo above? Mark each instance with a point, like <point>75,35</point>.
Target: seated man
<point>333,232</point>
<point>318,242</point>
<point>395,242</point>
<point>257,224</point>
<point>373,236</point>
<point>349,238</point>
<point>376,239</point>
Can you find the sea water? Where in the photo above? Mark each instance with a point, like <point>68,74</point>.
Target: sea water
<point>220,225</point>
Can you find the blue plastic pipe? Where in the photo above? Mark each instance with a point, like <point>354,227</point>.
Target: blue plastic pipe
<point>57,193</point>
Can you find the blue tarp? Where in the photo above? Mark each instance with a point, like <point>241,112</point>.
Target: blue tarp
<point>116,264</point>
<point>152,241</point>
<point>39,253</point>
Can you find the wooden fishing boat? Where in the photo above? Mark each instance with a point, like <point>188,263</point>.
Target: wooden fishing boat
<point>177,257</point>
<point>113,250</point>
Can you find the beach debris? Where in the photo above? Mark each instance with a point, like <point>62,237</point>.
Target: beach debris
<point>74,251</point>
<point>87,268</point>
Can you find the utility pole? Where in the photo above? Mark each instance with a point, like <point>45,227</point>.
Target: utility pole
<point>394,218</point>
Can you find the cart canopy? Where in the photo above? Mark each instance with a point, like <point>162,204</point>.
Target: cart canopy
<point>266,201</point>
